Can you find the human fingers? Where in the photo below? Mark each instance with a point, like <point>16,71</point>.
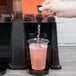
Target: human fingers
<point>46,7</point>
<point>50,12</point>
<point>59,14</point>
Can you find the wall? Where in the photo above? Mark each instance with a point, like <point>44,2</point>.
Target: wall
<point>66,29</point>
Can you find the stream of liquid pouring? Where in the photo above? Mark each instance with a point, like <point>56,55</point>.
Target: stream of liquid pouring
<point>38,35</point>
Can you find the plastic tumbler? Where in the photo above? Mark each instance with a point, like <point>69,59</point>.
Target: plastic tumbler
<point>38,53</point>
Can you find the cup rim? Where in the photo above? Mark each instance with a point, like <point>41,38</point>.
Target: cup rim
<point>41,40</point>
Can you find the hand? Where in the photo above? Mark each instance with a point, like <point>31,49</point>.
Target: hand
<point>54,7</point>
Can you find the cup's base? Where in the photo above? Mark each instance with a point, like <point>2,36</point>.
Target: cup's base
<point>39,73</point>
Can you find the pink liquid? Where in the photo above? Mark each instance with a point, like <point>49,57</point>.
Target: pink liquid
<point>38,54</point>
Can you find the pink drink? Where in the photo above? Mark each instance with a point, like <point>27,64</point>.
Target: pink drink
<point>38,53</point>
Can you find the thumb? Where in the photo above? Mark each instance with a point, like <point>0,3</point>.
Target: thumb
<point>46,7</point>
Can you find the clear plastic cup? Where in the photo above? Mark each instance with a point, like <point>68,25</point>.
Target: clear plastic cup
<point>38,53</point>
